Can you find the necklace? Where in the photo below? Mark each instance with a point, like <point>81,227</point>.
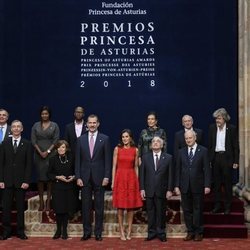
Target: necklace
<point>63,161</point>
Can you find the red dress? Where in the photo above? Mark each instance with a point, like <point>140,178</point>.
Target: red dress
<point>126,192</point>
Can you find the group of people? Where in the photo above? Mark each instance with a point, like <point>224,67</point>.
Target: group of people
<point>146,173</point>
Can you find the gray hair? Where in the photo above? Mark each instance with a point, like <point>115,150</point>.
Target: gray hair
<point>4,110</point>
<point>223,113</point>
<point>17,121</point>
<point>187,116</point>
<point>157,138</point>
<point>190,132</point>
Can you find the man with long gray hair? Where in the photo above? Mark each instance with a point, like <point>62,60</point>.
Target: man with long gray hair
<point>223,146</point>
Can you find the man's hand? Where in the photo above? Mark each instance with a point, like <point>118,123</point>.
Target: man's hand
<point>143,195</point>
<point>169,194</point>
<point>177,191</point>
<point>25,186</point>
<point>206,190</point>
<point>235,165</point>
<point>79,182</point>
<point>105,182</point>
<point>2,186</point>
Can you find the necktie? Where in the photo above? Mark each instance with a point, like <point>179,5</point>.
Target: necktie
<point>156,161</point>
<point>191,155</point>
<point>1,134</point>
<point>15,146</point>
<point>91,144</point>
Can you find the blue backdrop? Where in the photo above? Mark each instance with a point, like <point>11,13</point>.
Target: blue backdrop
<point>195,68</point>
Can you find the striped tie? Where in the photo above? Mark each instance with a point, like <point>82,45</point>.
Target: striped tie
<point>191,155</point>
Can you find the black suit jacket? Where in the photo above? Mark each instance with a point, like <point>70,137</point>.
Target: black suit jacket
<point>179,140</point>
<point>15,168</point>
<point>70,135</point>
<point>196,176</point>
<point>156,182</point>
<point>99,166</point>
<point>8,133</point>
<point>231,143</point>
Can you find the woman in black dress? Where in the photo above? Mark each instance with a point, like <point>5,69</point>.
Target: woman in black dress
<point>64,200</point>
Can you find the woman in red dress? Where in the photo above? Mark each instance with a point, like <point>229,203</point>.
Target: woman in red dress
<point>125,184</point>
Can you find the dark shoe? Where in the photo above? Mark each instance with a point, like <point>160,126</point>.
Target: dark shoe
<point>85,237</point>
<point>149,238</point>
<point>163,239</point>
<point>65,236</point>
<point>98,237</point>
<point>22,236</point>
<point>188,237</point>
<point>216,210</point>
<point>5,237</point>
<point>198,237</point>
<point>227,211</point>
<point>56,236</point>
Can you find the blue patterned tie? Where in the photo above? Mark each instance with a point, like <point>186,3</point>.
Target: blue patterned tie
<point>1,134</point>
<point>191,155</point>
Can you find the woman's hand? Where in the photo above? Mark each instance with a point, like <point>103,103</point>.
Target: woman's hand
<point>61,178</point>
<point>70,178</point>
<point>43,154</point>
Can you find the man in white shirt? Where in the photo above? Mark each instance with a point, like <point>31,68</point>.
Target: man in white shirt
<point>223,146</point>
<point>93,173</point>
<point>75,129</point>
<point>192,180</point>
<point>15,176</point>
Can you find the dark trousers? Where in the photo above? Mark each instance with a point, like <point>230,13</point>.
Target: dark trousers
<point>62,223</point>
<point>8,195</point>
<point>222,173</point>
<point>192,205</point>
<point>156,210</point>
<point>87,192</point>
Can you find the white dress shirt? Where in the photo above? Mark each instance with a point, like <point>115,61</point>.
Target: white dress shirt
<point>220,139</point>
<point>78,128</point>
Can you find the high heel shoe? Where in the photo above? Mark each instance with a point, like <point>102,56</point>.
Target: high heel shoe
<point>41,205</point>
<point>57,235</point>
<point>128,236</point>
<point>122,237</point>
<point>47,205</point>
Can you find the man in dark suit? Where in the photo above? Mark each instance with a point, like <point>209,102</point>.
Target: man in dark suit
<point>179,140</point>
<point>75,129</point>
<point>223,146</point>
<point>5,133</point>
<point>93,172</point>
<point>192,180</point>
<point>156,185</point>
<point>15,174</point>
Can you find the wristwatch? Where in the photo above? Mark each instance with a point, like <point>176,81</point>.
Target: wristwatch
<point>48,151</point>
